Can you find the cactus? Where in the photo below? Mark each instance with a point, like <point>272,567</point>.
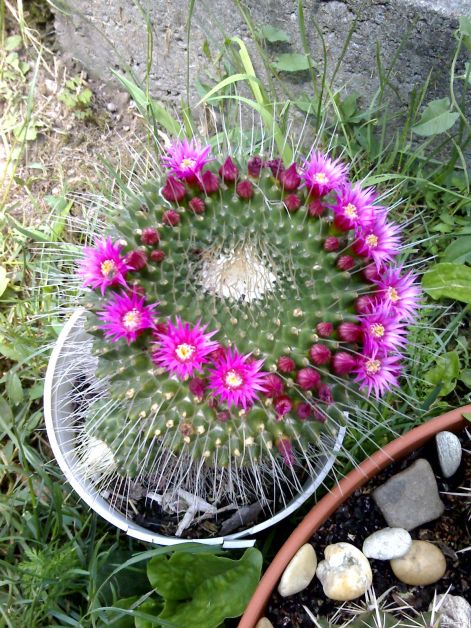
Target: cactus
<point>277,289</point>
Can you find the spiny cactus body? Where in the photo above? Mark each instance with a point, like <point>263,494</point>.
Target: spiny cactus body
<point>275,276</point>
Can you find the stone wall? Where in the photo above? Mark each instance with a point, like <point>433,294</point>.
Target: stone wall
<point>105,34</point>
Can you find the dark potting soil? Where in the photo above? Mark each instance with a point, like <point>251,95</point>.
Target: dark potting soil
<point>154,518</point>
<point>359,517</point>
<point>133,501</point>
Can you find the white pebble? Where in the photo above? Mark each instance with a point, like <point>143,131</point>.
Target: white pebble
<point>299,572</point>
<point>264,623</point>
<point>345,573</point>
<point>449,452</point>
<point>387,543</point>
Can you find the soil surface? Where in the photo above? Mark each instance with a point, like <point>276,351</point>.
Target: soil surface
<point>359,517</point>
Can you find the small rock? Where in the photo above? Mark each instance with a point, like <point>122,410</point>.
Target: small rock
<point>423,564</point>
<point>299,572</point>
<point>345,573</point>
<point>51,86</point>
<point>387,543</point>
<point>112,107</point>
<point>449,452</point>
<point>454,610</point>
<point>410,498</point>
<point>264,623</point>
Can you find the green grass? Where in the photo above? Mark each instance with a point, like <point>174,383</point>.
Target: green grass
<point>55,555</point>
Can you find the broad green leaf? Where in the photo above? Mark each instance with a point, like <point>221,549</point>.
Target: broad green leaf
<point>348,106</point>
<point>273,34</point>
<point>149,607</point>
<point>203,590</point>
<point>14,388</point>
<point>176,578</point>
<point>465,26</point>
<point>3,280</point>
<point>465,377</point>
<point>26,132</point>
<point>306,104</point>
<point>452,281</point>
<point>467,416</point>
<point>445,373</point>
<point>459,251</point>
<point>6,414</point>
<point>36,391</point>
<point>10,352</point>
<point>14,42</point>
<point>292,62</point>
<point>437,118</point>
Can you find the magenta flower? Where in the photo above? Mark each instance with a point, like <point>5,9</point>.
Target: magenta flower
<point>398,292</point>
<point>322,174</point>
<point>378,372</point>
<point>237,378</point>
<point>186,159</point>
<point>125,316</point>
<point>183,349</point>
<point>354,207</point>
<point>379,242</point>
<point>381,331</point>
<point>103,265</point>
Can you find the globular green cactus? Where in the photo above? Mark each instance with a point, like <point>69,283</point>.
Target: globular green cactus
<point>247,251</point>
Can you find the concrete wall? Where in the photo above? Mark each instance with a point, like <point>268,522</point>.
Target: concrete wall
<point>106,34</point>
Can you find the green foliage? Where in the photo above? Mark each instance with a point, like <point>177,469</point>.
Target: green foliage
<point>458,251</point>
<point>436,119</point>
<point>77,97</point>
<point>447,280</point>
<point>445,374</point>
<point>292,62</point>
<point>197,590</point>
<point>273,34</point>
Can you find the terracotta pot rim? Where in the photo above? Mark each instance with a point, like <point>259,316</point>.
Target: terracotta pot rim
<point>395,450</point>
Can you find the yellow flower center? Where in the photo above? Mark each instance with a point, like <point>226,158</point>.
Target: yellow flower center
<point>132,319</point>
<point>373,367</point>
<point>188,163</point>
<point>377,330</point>
<point>184,352</point>
<point>372,240</point>
<point>392,294</point>
<point>351,211</point>
<point>233,379</point>
<point>108,268</point>
<point>320,177</point>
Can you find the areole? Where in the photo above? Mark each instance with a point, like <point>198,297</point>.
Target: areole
<point>395,450</point>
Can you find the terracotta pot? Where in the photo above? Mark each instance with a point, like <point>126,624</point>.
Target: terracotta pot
<point>397,449</point>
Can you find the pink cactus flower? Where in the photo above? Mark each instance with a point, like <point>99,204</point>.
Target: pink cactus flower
<point>183,349</point>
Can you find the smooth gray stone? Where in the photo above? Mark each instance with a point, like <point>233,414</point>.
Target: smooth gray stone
<point>449,452</point>
<point>410,498</point>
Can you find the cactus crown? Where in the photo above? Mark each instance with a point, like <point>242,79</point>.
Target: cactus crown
<point>239,309</point>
